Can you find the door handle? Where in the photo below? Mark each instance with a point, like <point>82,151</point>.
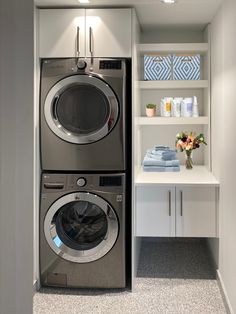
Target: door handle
<point>90,40</point>
<point>169,203</point>
<point>181,203</point>
<point>77,42</point>
<point>54,107</point>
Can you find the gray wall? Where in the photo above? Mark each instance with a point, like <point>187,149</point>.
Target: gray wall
<point>16,156</point>
<point>223,135</point>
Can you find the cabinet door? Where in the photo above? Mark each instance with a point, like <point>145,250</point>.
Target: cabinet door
<point>155,211</point>
<point>108,32</point>
<point>61,33</point>
<point>196,212</point>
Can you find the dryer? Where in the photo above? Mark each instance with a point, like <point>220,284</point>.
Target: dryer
<point>82,230</point>
<point>85,104</point>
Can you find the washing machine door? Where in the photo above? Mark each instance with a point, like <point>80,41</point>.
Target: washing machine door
<point>81,227</point>
<point>81,109</point>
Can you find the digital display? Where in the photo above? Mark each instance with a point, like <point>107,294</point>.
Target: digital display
<point>110,181</point>
<point>110,65</point>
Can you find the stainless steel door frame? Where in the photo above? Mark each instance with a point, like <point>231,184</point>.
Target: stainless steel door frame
<point>85,256</point>
<point>54,95</point>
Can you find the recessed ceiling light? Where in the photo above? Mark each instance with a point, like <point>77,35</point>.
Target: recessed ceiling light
<point>83,1</point>
<point>168,1</point>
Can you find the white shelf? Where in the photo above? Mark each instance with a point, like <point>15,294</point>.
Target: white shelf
<point>199,175</point>
<point>172,120</point>
<point>198,84</point>
<point>197,48</point>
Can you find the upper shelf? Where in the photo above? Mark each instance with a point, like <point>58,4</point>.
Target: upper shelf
<point>199,175</point>
<point>196,48</point>
<point>198,84</point>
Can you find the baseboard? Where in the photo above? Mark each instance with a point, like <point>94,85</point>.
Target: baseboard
<point>223,292</point>
<point>35,286</point>
<point>212,256</point>
<point>138,242</point>
<point>136,253</point>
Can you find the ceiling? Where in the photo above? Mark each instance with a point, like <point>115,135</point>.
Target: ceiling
<point>153,13</point>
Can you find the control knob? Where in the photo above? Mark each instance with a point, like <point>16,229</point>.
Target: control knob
<point>81,65</point>
<point>81,182</point>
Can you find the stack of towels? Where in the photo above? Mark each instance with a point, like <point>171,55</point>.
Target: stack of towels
<point>161,159</point>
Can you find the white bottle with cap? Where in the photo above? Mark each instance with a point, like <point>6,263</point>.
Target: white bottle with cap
<point>195,107</point>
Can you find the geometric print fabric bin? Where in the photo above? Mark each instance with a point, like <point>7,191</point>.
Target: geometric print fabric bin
<point>172,67</point>
<point>157,68</point>
<point>186,67</point>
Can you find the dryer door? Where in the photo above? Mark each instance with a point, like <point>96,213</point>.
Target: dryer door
<point>81,227</point>
<point>81,109</point>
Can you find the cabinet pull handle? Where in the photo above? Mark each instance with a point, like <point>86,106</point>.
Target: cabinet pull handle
<point>90,40</point>
<point>181,203</point>
<point>77,42</point>
<point>169,203</point>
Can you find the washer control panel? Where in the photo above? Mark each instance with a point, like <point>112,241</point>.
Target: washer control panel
<point>58,183</point>
<point>81,182</point>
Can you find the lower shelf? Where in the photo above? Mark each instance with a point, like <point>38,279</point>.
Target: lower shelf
<point>199,175</point>
<point>172,120</point>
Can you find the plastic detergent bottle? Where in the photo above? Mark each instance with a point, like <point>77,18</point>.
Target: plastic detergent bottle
<point>166,106</point>
<point>176,106</point>
<point>187,107</point>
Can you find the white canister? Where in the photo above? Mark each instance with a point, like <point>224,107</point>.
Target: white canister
<point>166,106</point>
<point>176,107</point>
<point>187,107</point>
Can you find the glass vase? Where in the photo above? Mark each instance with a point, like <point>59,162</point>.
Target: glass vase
<point>189,159</point>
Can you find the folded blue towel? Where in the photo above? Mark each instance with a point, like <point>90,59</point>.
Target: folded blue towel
<point>160,169</point>
<point>158,155</point>
<point>163,152</point>
<point>150,161</point>
<point>160,147</point>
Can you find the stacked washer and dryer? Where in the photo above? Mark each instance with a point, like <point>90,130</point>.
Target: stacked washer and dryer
<point>85,156</point>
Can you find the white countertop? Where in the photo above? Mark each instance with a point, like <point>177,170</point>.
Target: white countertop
<point>199,175</point>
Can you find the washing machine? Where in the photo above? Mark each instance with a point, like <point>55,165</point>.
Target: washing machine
<point>82,230</point>
<point>85,114</point>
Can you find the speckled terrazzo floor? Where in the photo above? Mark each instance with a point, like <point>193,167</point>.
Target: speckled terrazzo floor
<point>176,278</point>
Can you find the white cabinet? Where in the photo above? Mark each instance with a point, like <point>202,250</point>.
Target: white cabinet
<point>108,32</point>
<point>58,37</point>
<point>196,213</point>
<point>94,32</point>
<point>155,211</point>
<point>163,211</point>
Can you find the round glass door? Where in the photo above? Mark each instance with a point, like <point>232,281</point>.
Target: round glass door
<point>81,109</point>
<point>81,227</point>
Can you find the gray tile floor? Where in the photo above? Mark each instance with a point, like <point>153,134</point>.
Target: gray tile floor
<point>174,277</point>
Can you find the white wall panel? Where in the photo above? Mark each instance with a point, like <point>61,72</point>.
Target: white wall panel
<point>223,130</point>
<point>16,156</point>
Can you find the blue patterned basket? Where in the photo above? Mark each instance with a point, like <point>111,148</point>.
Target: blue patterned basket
<point>157,67</point>
<point>172,67</point>
<point>186,67</point>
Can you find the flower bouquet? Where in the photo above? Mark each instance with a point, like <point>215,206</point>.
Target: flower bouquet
<point>188,142</point>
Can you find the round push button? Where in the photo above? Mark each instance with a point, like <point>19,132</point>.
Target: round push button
<point>81,64</point>
<point>81,182</point>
